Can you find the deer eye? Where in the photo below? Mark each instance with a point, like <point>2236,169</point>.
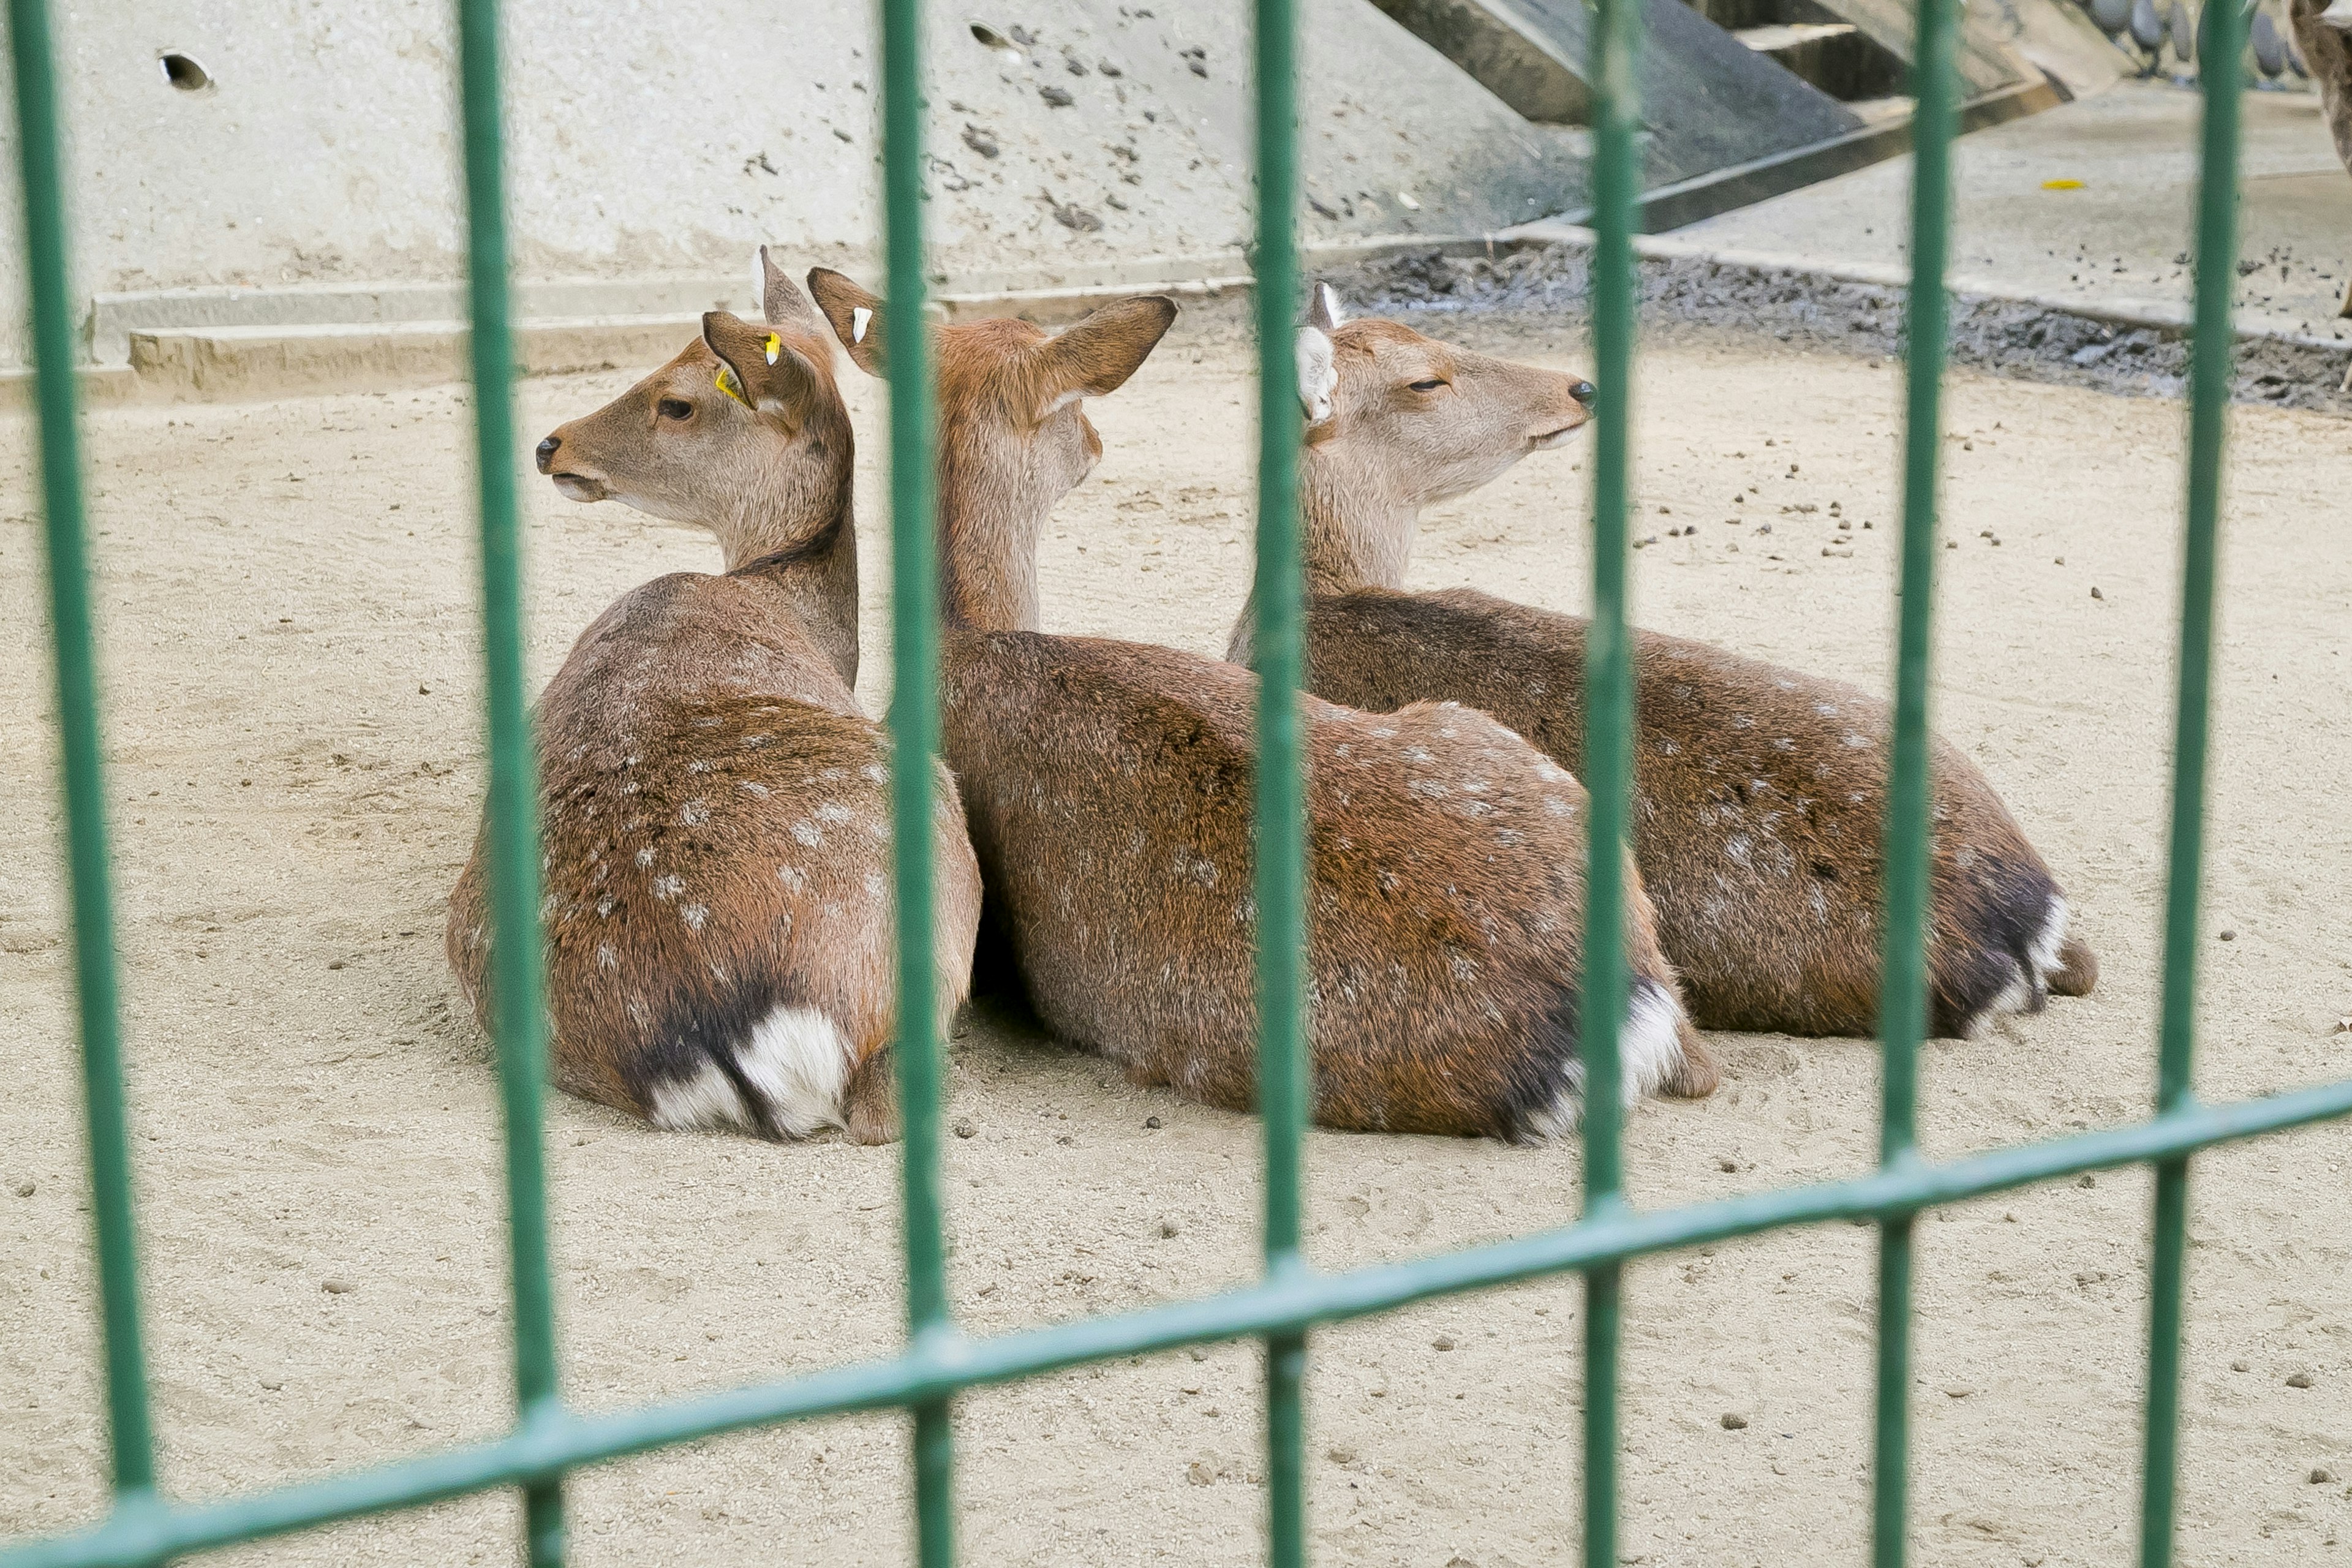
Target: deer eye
<point>1427,385</point>
<point>675,408</point>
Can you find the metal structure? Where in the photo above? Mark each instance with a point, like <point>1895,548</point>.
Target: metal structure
<point>939,1363</point>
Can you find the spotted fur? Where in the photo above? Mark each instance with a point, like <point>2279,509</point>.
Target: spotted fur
<point>1759,792</point>
<point>1108,789</point>
<point>715,807</point>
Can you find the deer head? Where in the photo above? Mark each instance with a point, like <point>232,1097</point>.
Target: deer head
<point>1014,435</point>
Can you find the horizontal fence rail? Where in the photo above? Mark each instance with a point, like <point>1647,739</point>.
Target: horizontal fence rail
<point>1290,1298</point>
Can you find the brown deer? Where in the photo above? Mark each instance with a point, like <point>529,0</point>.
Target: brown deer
<point>716,806</point>
<point>2323,31</point>
<point>1758,793</point>
<point>1107,786</point>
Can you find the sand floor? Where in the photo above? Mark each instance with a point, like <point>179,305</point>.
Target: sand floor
<point>293,728</point>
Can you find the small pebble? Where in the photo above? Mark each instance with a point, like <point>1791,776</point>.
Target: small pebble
<point>1152,1121</point>
<point>2095,594</point>
<point>2229,936</point>
<point>336,1286</point>
<point>2058,561</point>
<point>2299,1380</point>
<point>965,1128</point>
<point>1340,1454</point>
<point>1442,1342</point>
<point>2088,1180</point>
<point>1200,1472</point>
<point>334,964</point>
<point>2241,1367</point>
<point>23,1189</point>
<point>1725,1162</point>
<point>1959,1391</point>
<point>2321,1476</point>
<point>1734,1422</point>
<point>1167,1228</point>
<point>422,690</point>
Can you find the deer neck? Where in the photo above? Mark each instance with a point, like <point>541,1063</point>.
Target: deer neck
<point>988,545</point>
<point>806,556</point>
<point>1357,532</point>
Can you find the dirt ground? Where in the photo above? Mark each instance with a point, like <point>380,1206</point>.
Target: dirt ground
<point>291,665</point>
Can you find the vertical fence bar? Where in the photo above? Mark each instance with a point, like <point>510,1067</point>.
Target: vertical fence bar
<point>1903,968</point>
<point>517,974</point>
<point>1281,806</point>
<point>2209,376</point>
<point>914,737</point>
<point>1615,43</point>
<point>130,1437</point>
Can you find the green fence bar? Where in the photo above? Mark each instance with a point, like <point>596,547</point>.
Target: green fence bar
<point>130,1435</point>
<point>914,737</point>
<point>1903,959</point>
<point>2209,376</point>
<point>517,976</point>
<point>1281,799</point>
<point>1614,69</point>
<point>934,1368</point>
<point>1289,1299</point>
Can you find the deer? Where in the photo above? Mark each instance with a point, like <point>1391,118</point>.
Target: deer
<point>1758,793</point>
<point>1108,787</point>
<point>2323,31</point>
<point>715,804</point>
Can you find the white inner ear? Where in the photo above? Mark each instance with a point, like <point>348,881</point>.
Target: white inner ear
<point>1061,403</point>
<point>1318,376</point>
<point>1330,303</point>
<point>859,318</point>
<point>2338,14</point>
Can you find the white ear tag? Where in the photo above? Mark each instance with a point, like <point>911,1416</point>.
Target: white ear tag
<point>857,319</point>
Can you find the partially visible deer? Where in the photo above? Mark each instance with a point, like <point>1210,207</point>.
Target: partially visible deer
<point>1109,790</point>
<point>1760,794</point>
<point>2323,31</point>
<point>715,805</point>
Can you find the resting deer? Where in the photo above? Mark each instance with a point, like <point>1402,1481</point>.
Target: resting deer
<point>1758,793</point>
<point>2323,31</point>
<point>715,805</point>
<point>1107,786</point>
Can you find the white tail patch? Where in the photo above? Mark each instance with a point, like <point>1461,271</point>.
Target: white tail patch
<point>2043,949</point>
<point>705,1100</point>
<point>798,1059</point>
<point>796,1062</point>
<point>1650,1047</point>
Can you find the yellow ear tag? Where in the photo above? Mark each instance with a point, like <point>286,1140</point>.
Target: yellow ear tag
<point>726,382</point>
<point>775,347</point>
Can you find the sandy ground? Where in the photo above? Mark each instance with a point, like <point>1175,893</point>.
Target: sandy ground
<point>291,665</point>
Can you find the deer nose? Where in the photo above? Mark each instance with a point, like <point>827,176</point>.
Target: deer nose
<point>547,452</point>
<point>1584,391</point>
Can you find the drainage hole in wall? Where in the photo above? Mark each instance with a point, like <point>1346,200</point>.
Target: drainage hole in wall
<point>182,72</point>
<point>990,39</point>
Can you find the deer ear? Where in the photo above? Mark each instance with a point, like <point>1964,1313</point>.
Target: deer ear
<point>1095,358</point>
<point>781,298</point>
<point>1319,374</point>
<point>756,367</point>
<point>855,317</point>
<point>1323,308</point>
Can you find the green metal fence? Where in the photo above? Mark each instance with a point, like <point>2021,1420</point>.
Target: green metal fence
<point>939,1363</point>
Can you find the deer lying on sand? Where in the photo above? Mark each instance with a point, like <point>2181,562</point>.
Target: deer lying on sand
<point>2323,31</point>
<point>1108,791</point>
<point>1758,793</point>
<point>716,807</point>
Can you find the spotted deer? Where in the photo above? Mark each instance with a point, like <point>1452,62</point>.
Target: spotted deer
<point>1108,785</point>
<point>715,804</point>
<point>1758,793</point>
<point>2323,31</point>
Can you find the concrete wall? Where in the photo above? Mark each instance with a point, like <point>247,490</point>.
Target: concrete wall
<point>650,146</point>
